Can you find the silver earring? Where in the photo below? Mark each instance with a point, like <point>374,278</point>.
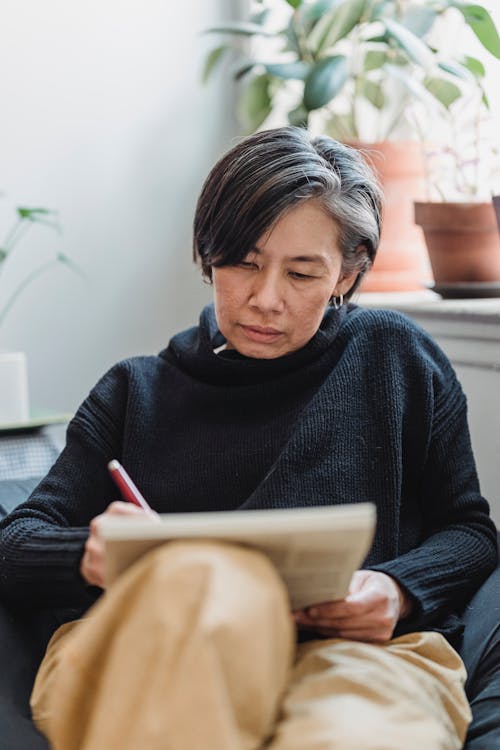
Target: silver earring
<point>337,302</point>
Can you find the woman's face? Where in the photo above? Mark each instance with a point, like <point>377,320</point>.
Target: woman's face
<point>272,303</point>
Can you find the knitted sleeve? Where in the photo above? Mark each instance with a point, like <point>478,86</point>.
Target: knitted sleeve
<point>41,541</point>
<point>459,549</point>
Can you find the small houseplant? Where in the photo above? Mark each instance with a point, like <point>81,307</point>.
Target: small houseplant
<point>14,401</point>
<point>369,72</point>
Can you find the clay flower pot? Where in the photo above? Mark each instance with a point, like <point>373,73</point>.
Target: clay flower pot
<point>401,263</point>
<point>462,241</point>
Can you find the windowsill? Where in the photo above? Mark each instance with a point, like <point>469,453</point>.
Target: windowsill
<point>468,329</point>
<point>430,305</point>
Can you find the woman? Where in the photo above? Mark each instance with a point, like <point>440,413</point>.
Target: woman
<point>284,395</point>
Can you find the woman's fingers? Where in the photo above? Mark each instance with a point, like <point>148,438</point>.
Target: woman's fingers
<point>369,612</point>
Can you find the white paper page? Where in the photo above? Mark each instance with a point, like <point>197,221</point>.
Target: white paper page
<point>316,550</point>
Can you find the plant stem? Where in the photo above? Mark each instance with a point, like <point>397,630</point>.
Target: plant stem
<point>31,277</point>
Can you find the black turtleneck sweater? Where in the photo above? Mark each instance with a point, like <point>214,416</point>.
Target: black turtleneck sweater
<point>368,411</point>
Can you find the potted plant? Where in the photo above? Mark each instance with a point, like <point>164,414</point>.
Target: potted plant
<point>14,400</point>
<point>458,217</point>
<point>370,73</point>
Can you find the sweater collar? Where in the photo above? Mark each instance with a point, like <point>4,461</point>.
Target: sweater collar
<point>193,352</point>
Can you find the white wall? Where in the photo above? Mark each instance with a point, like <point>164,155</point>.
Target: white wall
<point>104,118</point>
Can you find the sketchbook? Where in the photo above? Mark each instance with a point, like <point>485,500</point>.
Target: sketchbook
<point>316,549</point>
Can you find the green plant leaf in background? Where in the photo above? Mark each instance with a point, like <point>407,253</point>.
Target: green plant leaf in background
<point>325,81</point>
<point>65,260</point>
<point>412,85</point>
<point>310,13</point>
<point>336,24</point>
<point>342,127</point>
<point>374,59</point>
<point>475,66</point>
<point>416,50</point>
<point>372,92</point>
<point>299,117</point>
<point>254,103</point>
<point>457,70</point>
<point>241,70</point>
<point>38,216</point>
<point>295,70</point>
<point>482,25</point>
<point>212,59</point>
<point>25,218</point>
<point>419,19</point>
<point>240,28</point>
<point>294,3</point>
<point>445,91</point>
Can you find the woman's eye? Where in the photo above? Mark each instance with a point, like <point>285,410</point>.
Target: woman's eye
<point>247,264</point>
<point>297,275</point>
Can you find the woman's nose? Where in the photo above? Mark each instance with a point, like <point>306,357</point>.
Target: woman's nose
<point>267,292</point>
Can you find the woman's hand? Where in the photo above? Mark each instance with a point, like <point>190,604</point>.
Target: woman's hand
<point>92,562</point>
<point>369,612</point>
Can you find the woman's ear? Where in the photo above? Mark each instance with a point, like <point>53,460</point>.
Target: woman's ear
<point>344,283</point>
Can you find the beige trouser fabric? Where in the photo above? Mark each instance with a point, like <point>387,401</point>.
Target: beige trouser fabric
<point>193,648</point>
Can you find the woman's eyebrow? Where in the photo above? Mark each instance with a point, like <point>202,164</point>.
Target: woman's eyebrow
<point>309,259</point>
<point>315,258</point>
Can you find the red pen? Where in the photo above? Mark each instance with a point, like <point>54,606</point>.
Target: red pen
<point>128,490</point>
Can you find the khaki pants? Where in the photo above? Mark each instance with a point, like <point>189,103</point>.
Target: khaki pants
<point>193,648</point>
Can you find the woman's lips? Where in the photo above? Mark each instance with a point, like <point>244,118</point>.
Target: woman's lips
<point>261,334</point>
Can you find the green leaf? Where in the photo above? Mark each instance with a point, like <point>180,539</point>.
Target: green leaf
<point>292,39</point>
<point>3,254</point>
<point>33,214</point>
<point>299,117</point>
<point>310,13</point>
<point>39,216</point>
<point>416,89</point>
<point>342,127</point>
<point>260,17</point>
<point>241,28</point>
<point>445,91</point>
<point>213,58</point>
<point>377,11</point>
<point>374,59</point>
<point>457,70</point>
<point>476,67</point>
<point>242,70</point>
<point>325,81</point>
<point>373,92</point>
<point>482,25</point>
<point>62,258</point>
<point>294,3</point>
<point>419,19</point>
<point>254,103</point>
<point>336,24</point>
<point>294,70</point>
<point>414,47</point>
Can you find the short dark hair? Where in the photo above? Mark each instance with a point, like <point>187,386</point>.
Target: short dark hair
<point>269,172</point>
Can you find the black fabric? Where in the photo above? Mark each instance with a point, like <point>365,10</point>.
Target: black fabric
<point>481,654</point>
<point>22,642</point>
<point>369,410</point>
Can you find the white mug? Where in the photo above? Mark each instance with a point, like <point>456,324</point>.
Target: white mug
<point>14,398</point>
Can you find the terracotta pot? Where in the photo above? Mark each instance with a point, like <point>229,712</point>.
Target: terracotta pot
<point>462,241</point>
<point>401,263</point>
